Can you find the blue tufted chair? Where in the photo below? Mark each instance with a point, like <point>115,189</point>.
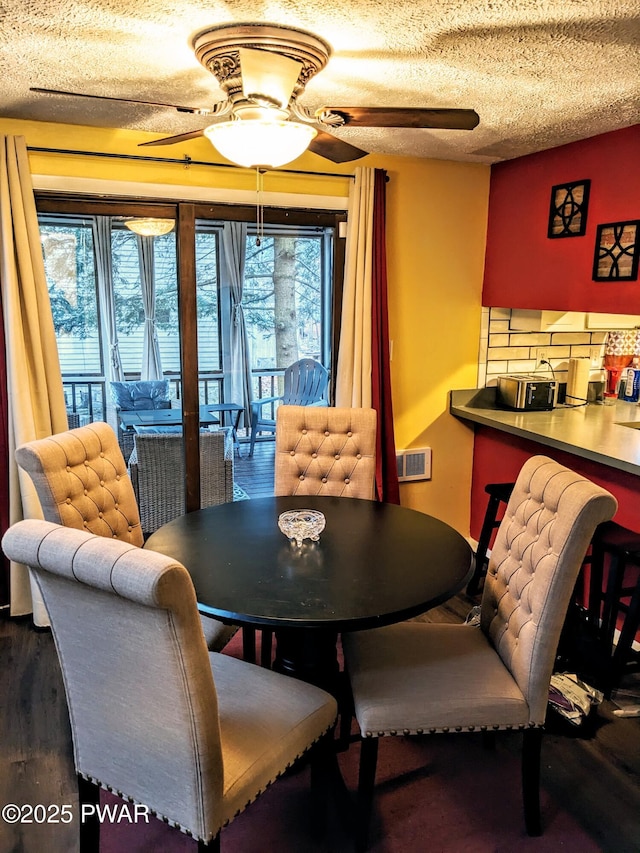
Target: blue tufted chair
<point>142,395</point>
<point>423,678</point>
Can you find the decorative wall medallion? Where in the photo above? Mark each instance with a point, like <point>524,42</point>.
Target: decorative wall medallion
<point>568,211</point>
<point>617,251</point>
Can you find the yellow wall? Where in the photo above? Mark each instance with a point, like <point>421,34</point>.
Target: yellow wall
<point>436,229</point>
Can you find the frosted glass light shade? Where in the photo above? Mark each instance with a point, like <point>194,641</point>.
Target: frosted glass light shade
<point>252,142</point>
<point>149,227</point>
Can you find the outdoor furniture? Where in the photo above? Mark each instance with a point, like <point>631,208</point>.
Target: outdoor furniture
<point>81,481</point>
<point>129,396</point>
<point>419,678</point>
<point>157,472</point>
<point>154,718</point>
<point>305,384</point>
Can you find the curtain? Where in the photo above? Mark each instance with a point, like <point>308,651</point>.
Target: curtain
<point>234,237</point>
<point>363,372</point>
<point>353,373</point>
<point>35,396</point>
<point>151,363</point>
<point>104,273</point>
<point>387,487</point>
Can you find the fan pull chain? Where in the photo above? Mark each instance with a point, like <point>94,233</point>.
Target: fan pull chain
<point>259,206</point>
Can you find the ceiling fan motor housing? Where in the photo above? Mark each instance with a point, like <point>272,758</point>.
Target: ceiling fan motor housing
<point>216,48</point>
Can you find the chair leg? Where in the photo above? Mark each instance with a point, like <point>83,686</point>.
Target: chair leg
<point>254,430</point>
<point>366,784</point>
<point>531,749</point>
<point>89,799</point>
<point>212,846</point>
<point>321,760</point>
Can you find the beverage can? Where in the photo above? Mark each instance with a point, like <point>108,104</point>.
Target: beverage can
<point>630,385</point>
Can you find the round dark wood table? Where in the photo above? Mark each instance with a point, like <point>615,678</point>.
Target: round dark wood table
<point>374,564</point>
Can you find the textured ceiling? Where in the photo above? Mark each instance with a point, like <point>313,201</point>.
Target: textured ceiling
<point>540,73</point>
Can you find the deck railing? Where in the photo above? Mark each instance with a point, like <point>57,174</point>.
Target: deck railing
<point>87,398</point>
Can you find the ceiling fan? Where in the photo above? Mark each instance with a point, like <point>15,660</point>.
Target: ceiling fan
<point>262,70</point>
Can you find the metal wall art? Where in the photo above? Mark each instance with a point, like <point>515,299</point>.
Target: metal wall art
<point>617,251</point>
<point>568,211</point>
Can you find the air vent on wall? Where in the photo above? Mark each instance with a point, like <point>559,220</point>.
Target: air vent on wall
<point>414,464</point>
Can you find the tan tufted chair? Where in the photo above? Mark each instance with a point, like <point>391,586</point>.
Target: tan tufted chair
<point>81,481</point>
<point>419,678</point>
<point>193,736</point>
<point>325,451</point>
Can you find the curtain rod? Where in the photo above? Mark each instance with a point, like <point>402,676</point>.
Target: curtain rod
<point>186,161</point>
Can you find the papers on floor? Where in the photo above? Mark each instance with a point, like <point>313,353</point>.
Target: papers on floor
<point>571,697</point>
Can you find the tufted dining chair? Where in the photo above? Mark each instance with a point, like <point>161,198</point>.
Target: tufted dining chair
<point>81,481</point>
<point>325,451</point>
<point>424,678</point>
<point>320,451</point>
<point>194,737</point>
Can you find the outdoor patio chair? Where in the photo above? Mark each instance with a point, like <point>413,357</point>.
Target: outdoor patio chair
<point>418,678</point>
<point>305,384</point>
<point>156,468</point>
<point>142,395</point>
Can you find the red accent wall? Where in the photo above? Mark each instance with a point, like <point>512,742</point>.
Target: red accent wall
<point>498,456</point>
<point>526,269</point>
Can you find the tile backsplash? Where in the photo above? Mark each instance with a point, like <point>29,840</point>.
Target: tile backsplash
<point>504,350</point>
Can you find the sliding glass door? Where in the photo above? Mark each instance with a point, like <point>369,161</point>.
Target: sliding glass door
<point>208,306</point>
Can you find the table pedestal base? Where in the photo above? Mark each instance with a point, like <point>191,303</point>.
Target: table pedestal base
<point>310,655</point>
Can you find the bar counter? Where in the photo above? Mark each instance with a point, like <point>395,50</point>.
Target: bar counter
<point>593,432</point>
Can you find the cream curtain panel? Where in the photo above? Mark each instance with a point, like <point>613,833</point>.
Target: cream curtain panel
<point>34,383</point>
<point>101,227</point>
<point>234,238</point>
<point>353,375</point>
<point>151,363</point>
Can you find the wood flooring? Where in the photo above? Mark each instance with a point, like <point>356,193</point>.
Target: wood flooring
<point>592,773</point>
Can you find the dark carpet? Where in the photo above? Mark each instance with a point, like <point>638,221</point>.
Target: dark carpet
<point>440,793</point>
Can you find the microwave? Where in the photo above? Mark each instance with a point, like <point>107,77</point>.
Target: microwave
<point>527,393</point>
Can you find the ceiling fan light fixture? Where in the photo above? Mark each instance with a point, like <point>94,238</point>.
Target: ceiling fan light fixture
<point>149,226</point>
<point>256,143</point>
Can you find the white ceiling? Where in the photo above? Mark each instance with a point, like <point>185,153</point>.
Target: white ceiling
<point>540,73</point>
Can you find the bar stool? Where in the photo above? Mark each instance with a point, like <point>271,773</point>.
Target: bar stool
<point>499,493</point>
<point>615,548</point>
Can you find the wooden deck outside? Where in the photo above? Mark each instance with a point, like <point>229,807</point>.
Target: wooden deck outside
<point>255,475</point>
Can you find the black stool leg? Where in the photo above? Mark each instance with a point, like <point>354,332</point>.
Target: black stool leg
<point>625,641</point>
<point>498,493</point>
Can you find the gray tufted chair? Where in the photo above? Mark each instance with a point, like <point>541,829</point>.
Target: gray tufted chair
<point>81,481</point>
<point>419,678</point>
<point>325,451</point>
<point>193,736</point>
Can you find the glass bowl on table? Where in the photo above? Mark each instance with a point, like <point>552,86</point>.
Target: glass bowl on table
<point>300,524</point>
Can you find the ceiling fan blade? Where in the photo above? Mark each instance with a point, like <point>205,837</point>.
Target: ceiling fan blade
<point>268,75</point>
<point>172,140</point>
<point>443,119</point>
<point>334,149</point>
<point>193,110</point>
